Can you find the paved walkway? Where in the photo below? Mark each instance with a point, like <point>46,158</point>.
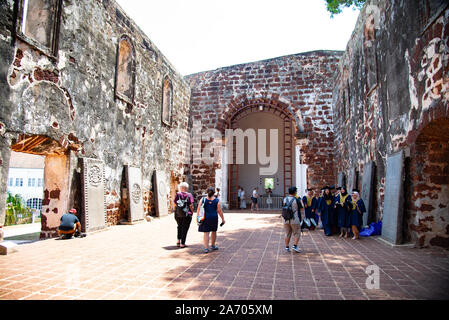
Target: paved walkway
<point>142,262</point>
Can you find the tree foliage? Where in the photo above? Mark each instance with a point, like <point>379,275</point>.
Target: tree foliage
<point>337,6</point>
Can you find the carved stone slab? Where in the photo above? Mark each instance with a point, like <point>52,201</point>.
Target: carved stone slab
<point>367,191</point>
<point>135,199</point>
<point>393,203</point>
<point>94,214</point>
<point>160,193</point>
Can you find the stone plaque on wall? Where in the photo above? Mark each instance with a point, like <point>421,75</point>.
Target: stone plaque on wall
<point>160,193</point>
<point>341,179</point>
<point>367,191</point>
<point>135,199</point>
<point>393,203</point>
<point>94,215</point>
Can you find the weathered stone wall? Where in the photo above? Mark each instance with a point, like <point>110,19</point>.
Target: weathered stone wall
<point>301,84</point>
<point>72,100</point>
<point>392,83</point>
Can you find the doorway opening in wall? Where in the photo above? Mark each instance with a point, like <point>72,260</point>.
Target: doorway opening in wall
<point>37,188</point>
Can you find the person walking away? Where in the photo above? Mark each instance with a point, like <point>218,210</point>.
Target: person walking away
<point>292,224</point>
<point>343,204</point>
<point>326,211</point>
<point>209,225</point>
<point>239,196</point>
<point>183,214</point>
<point>358,208</point>
<point>254,198</point>
<point>70,225</point>
<point>309,202</point>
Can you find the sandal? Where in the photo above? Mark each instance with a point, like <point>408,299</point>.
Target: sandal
<point>183,245</point>
<point>178,244</point>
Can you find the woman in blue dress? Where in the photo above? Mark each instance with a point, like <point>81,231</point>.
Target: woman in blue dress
<point>357,210</point>
<point>343,205</point>
<point>209,225</point>
<point>326,211</point>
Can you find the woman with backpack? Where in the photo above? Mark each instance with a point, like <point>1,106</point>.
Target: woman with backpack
<point>291,212</point>
<point>209,225</point>
<point>183,213</point>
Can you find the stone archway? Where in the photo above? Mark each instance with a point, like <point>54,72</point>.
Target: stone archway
<point>265,113</point>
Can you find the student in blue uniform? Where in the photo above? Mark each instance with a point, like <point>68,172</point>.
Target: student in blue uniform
<point>309,202</point>
<point>326,211</point>
<point>342,206</point>
<point>317,207</point>
<point>358,208</point>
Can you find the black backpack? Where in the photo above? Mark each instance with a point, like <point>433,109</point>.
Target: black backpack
<point>182,206</point>
<point>287,211</point>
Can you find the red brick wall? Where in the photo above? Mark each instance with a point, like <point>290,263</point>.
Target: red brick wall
<point>301,83</point>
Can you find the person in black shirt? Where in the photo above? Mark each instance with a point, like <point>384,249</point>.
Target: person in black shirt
<point>70,225</point>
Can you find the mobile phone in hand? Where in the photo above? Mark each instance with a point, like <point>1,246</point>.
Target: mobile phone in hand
<point>221,224</point>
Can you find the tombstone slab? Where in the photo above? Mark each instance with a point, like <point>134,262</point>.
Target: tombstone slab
<point>94,215</point>
<point>135,199</point>
<point>394,198</point>
<point>160,190</point>
<point>367,191</point>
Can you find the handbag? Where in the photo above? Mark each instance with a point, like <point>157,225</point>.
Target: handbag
<point>201,214</point>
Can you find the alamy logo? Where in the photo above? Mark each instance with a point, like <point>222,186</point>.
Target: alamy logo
<point>209,146</point>
<point>373,280</point>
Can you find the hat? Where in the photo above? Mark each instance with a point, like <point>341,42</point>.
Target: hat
<point>72,210</point>
<point>292,190</point>
<point>326,187</point>
<point>332,187</point>
<point>356,190</point>
<point>310,189</point>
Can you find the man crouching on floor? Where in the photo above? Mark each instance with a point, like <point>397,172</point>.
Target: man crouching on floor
<point>70,225</point>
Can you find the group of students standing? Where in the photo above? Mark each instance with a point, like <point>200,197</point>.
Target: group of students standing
<point>335,209</point>
<point>338,211</point>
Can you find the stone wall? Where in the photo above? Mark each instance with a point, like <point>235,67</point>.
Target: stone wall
<point>300,84</point>
<point>70,96</point>
<point>392,84</point>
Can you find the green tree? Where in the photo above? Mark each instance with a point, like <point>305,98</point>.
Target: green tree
<point>16,211</point>
<point>336,6</point>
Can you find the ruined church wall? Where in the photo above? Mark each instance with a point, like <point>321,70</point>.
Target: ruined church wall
<point>392,83</point>
<point>72,100</point>
<point>301,82</point>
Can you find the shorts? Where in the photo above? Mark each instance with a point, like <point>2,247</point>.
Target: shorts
<point>292,229</point>
<point>254,200</point>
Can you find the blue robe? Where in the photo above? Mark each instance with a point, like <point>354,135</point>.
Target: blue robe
<point>343,212</point>
<point>327,215</point>
<point>357,214</point>
<point>309,211</point>
<point>317,209</point>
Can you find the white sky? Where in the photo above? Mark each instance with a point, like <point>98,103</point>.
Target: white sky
<point>200,35</point>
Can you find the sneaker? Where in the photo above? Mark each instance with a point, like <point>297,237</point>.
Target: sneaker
<point>287,249</point>
<point>205,250</point>
<point>296,249</point>
<point>214,247</point>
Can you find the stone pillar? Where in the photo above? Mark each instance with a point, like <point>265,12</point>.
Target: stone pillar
<point>5,154</point>
<point>301,172</point>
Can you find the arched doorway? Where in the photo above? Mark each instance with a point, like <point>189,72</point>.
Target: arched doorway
<point>56,184</point>
<point>427,197</point>
<point>268,151</point>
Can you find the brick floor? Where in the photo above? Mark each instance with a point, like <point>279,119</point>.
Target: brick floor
<point>142,262</point>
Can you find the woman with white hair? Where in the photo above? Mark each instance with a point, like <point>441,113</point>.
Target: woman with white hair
<point>183,213</point>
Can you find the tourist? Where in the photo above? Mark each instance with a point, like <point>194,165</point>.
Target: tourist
<point>342,205</point>
<point>239,195</point>
<point>70,225</point>
<point>217,193</point>
<point>209,225</point>
<point>358,208</point>
<point>326,211</point>
<point>183,213</point>
<point>254,198</point>
<point>269,192</point>
<point>292,226</point>
<point>309,202</point>
<point>242,199</point>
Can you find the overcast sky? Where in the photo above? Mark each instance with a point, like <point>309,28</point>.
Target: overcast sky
<point>200,35</point>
